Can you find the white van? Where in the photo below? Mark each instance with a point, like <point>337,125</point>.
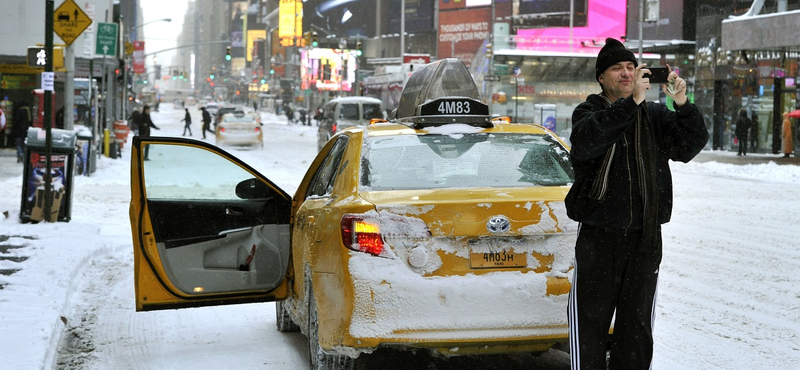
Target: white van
<point>341,113</point>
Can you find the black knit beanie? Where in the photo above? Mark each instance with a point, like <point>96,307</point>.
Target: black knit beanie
<point>612,53</point>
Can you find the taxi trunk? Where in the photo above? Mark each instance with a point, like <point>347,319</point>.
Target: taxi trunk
<point>462,266</point>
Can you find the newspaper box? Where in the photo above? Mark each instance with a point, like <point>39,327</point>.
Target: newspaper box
<point>62,159</point>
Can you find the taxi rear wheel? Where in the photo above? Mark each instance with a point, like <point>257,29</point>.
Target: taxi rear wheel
<point>319,359</point>
<point>284,320</point>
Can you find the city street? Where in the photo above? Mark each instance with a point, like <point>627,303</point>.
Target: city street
<point>728,298</point>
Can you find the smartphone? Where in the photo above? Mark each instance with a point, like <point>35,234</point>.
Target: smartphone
<point>658,74</point>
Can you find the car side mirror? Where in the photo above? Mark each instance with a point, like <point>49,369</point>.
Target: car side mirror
<point>253,189</point>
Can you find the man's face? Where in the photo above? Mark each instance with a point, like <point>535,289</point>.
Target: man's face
<point>617,80</point>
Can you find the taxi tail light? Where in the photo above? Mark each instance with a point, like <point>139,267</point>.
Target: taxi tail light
<point>333,128</point>
<point>361,235</point>
<point>222,129</point>
<point>258,129</point>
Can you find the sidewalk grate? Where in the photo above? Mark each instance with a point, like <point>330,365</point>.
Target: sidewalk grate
<point>4,249</point>
<point>8,272</point>
<point>13,259</point>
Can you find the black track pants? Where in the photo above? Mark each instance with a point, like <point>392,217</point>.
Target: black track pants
<point>611,273</point>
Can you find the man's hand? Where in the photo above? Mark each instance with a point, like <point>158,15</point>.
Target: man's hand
<point>675,88</point>
<point>641,83</point>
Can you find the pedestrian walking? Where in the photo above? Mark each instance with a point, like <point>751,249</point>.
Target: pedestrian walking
<point>788,144</point>
<point>145,123</point>
<point>187,126</point>
<point>19,130</point>
<point>133,121</point>
<point>289,115</point>
<point>742,128</point>
<point>621,148</point>
<point>206,121</point>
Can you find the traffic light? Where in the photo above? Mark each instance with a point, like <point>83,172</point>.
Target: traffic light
<point>358,48</point>
<point>263,80</point>
<point>307,38</point>
<point>228,53</point>
<point>314,39</point>
<point>489,51</point>
<point>211,76</point>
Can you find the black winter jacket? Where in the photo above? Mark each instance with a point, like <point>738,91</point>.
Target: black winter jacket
<point>679,136</point>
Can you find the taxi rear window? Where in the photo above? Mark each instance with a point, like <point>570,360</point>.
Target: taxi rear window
<point>464,161</point>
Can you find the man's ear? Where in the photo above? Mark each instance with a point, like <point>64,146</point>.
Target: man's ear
<point>600,79</point>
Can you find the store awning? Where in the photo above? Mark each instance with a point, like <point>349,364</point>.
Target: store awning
<point>761,32</point>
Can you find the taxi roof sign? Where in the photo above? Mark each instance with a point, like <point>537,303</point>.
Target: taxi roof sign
<point>442,78</point>
<point>70,21</point>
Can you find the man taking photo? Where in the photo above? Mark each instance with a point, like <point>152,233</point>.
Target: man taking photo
<point>621,148</point>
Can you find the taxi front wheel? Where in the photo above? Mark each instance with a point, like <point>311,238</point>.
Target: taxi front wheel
<point>319,359</point>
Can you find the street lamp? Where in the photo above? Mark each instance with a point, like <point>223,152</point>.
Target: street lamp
<point>146,23</point>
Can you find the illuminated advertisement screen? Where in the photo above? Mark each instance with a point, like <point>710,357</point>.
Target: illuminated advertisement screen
<point>605,18</point>
<point>550,13</point>
<point>328,69</point>
<point>340,18</point>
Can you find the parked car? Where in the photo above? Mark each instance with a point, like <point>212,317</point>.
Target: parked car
<point>341,113</point>
<point>239,129</point>
<point>444,230</point>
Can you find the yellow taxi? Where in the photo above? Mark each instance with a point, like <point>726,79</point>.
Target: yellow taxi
<point>443,229</point>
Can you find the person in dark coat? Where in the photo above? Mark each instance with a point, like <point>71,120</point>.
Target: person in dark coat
<point>206,121</point>
<point>743,125</point>
<point>133,121</point>
<point>188,119</point>
<point>145,123</point>
<point>19,131</point>
<point>621,148</point>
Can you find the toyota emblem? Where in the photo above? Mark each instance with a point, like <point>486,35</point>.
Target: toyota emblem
<point>498,224</point>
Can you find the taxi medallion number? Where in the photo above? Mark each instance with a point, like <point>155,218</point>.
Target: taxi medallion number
<point>497,260</point>
<point>454,107</point>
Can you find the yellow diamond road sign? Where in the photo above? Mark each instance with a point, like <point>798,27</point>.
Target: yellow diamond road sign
<point>70,21</point>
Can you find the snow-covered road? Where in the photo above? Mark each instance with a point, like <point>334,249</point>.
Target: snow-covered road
<point>728,298</point>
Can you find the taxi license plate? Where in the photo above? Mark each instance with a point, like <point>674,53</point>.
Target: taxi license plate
<point>497,260</point>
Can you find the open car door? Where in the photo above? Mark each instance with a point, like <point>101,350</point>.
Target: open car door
<point>207,228</point>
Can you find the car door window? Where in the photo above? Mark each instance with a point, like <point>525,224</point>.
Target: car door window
<point>348,112</point>
<point>329,111</point>
<point>322,184</point>
<point>192,182</point>
<point>372,111</point>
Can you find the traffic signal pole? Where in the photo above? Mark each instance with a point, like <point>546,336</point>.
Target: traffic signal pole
<point>48,111</point>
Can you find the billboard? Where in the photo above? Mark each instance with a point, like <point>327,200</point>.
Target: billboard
<point>328,69</point>
<point>550,13</point>
<point>340,18</point>
<point>604,18</point>
<point>462,32</point>
<point>461,4</point>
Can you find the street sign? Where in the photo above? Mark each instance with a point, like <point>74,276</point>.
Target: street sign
<point>491,78</point>
<point>106,42</point>
<point>70,21</point>
<point>37,57</point>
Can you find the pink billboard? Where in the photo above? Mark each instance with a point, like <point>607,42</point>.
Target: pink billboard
<point>606,18</point>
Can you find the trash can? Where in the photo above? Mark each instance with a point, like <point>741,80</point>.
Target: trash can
<point>62,157</point>
<point>84,151</point>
